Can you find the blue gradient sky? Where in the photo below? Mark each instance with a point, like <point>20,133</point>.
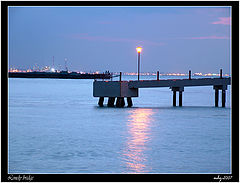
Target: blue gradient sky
<point>174,39</point>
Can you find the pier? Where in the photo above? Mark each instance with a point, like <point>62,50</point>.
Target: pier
<point>128,89</point>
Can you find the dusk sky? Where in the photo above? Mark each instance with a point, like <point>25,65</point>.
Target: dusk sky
<point>174,39</point>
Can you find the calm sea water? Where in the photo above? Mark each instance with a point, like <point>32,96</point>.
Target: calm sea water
<point>55,126</point>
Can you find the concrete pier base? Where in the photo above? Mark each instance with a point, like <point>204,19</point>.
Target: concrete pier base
<point>111,101</point>
<point>120,102</point>
<point>129,101</point>
<point>100,102</point>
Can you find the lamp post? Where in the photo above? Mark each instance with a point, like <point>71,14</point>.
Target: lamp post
<point>139,49</point>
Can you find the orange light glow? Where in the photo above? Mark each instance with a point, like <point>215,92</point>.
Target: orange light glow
<point>139,135</point>
<point>139,49</point>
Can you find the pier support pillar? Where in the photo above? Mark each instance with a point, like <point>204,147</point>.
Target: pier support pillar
<point>111,101</point>
<point>174,98</point>
<point>120,102</point>
<point>216,97</point>
<point>129,101</point>
<point>217,88</point>
<point>100,102</point>
<point>180,98</point>
<point>223,98</point>
<point>180,90</point>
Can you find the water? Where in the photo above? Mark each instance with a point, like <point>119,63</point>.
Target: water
<point>55,126</point>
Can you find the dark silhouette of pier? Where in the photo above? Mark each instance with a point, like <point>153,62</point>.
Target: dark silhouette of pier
<point>128,89</point>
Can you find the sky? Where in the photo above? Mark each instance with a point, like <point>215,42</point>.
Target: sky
<point>174,39</point>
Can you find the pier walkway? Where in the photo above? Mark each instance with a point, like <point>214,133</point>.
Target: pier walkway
<point>129,89</point>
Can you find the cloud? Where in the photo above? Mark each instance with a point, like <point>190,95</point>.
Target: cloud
<point>105,22</point>
<point>210,37</point>
<point>111,39</point>
<point>205,37</point>
<point>223,21</point>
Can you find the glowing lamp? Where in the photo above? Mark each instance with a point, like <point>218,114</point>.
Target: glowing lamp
<point>139,49</point>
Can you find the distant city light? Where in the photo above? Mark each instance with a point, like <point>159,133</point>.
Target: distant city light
<point>52,70</point>
<point>139,49</point>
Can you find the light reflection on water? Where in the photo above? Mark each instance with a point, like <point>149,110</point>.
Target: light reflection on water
<point>139,134</point>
